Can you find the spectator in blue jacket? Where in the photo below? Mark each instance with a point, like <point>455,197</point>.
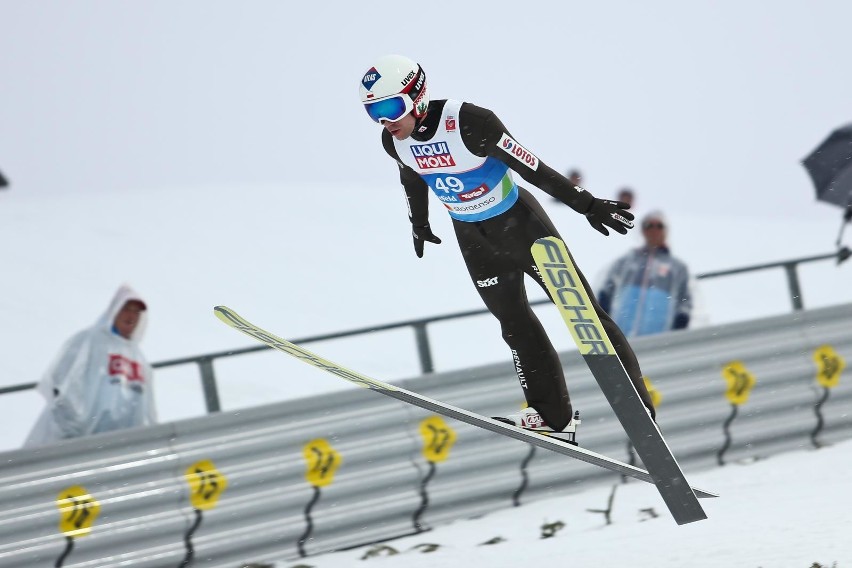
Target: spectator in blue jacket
<point>646,291</point>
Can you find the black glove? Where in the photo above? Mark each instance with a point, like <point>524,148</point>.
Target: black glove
<point>681,321</point>
<point>422,233</point>
<point>613,214</point>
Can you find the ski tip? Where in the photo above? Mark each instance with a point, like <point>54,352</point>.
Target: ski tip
<point>550,239</point>
<point>224,313</point>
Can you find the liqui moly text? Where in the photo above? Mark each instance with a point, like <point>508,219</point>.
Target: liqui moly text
<point>435,155</point>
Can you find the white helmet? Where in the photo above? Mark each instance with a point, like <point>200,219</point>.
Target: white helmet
<point>394,87</point>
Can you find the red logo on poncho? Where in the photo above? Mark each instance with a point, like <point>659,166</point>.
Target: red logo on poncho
<point>121,365</point>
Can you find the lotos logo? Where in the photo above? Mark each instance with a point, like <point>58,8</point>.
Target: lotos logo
<point>370,78</point>
<point>435,155</point>
<point>474,193</point>
<point>450,124</point>
<point>508,145</point>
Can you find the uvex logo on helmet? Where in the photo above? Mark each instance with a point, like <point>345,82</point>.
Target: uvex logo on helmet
<point>420,80</point>
<point>415,86</point>
<point>408,78</point>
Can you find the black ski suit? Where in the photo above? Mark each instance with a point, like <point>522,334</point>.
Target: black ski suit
<point>497,253</point>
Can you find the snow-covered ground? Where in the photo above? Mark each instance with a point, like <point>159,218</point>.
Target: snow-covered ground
<point>788,511</point>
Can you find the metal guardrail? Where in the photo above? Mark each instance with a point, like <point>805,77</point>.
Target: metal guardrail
<point>302,477</point>
<point>421,336</point>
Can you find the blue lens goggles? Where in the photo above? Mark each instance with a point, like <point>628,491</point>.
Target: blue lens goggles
<point>391,109</point>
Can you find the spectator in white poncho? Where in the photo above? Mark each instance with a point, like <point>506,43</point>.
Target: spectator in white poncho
<point>100,381</point>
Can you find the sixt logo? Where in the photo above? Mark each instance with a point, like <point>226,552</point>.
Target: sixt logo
<point>435,155</point>
<point>573,301</point>
<point>487,282</point>
<point>370,78</point>
<point>508,145</point>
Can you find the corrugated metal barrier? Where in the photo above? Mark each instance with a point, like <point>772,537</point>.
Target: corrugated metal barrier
<point>302,477</point>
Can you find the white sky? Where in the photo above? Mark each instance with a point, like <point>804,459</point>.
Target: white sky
<point>710,103</point>
<point>216,153</point>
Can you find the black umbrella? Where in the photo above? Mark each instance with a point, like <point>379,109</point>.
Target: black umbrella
<point>830,168</point>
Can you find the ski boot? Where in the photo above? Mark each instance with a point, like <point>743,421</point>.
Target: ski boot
<point>530,419</point>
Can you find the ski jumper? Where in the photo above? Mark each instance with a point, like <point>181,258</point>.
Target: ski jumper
<point>465,156</point>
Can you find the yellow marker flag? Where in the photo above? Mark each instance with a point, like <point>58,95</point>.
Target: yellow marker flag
<point>438,438</point>
<point>829,366</point>
<point>322,461</point>
<point>206,484</point>
<point>656,396</point>
<point>740,382</point>
<point>77,511</point>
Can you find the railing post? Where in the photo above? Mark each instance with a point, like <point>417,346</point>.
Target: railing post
<point>208,383</point>
<point>793,284</point>
<point>423,349</point>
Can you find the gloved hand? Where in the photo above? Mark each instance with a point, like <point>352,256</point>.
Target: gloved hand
<point>613,214</point>
<point>422,233</point>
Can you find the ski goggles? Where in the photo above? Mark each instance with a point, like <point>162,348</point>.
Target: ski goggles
<point>390,109</point>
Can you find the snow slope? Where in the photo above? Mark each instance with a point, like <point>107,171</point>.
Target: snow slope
<point>787,511</point>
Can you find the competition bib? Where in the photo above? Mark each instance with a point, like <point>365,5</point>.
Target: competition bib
<point>472,188</point>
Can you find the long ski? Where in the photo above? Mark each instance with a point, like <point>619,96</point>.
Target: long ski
<point>562,280</point>
<point>234,320</point>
